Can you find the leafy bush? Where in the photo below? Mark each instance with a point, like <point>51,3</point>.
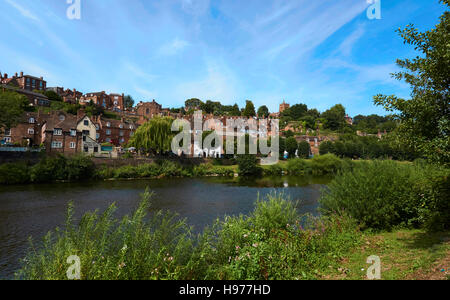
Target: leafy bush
<point>248,165</point>
<point>273,170</point>
<point>14,173</point>
<point>304,149</point>
<point>273,242</point>
<point>61,168</point>
<point>383,195</point>
<point>326,164</point>
<point>291,146</point>
<point>298,166</point>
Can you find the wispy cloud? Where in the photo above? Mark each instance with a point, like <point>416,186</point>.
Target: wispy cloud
<point>23,11</point>
<point>174,47</point>
<point>346,46</point>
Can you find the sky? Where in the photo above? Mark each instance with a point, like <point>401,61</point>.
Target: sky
<point>320,52</point>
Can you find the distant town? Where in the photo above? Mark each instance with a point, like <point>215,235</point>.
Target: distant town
<point>68,121</point>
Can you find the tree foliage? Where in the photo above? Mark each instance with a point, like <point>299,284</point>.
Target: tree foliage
<point>128,101</point>
<point>334,117</point>
<point>424,119</point>
<point>12,107</point>
<point>154,136</point>
<point>249,110</point>
<point>263,112</point>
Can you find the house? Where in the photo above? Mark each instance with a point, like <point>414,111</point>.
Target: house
<point>26,82</point>
<point>89,144</point>
<point>59,133</point>
<point>16,84</point>
<point>117,102</point>
<point>26,133</point>
<point>100,99</point>
<point>116,132</point>
<point>284,106</point>
<point>149,110</point>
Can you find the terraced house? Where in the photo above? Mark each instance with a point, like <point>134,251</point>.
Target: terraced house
<point>116,132</point>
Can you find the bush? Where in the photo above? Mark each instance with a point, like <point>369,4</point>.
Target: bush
<point>326,164</point>
<point>298,166</point>
<point>61,168</point>
<point>248,165</point>
<point>14,173</point>
<point>291,146</point>
<point>383,195</point>
<point>274,242</point>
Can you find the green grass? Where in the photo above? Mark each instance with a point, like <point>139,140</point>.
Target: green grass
<point>405,255</point>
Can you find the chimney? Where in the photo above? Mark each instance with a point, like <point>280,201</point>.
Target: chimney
<point>21,74</point>
<point>6,76</point>
<point>41,78</point>
<point>15,75</point>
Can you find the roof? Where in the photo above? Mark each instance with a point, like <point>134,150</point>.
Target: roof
<point>60,120</point>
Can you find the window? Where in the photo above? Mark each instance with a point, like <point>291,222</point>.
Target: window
<point>31,121</point>
<point>8,132</point>
<point>7,140</point>
<point>97,127</point>
<point>121,133</point>
<point>108,132</point>
<point>73,132</point>
<point>62,117</point>
<point>86,122</point>
<point>57,145</point>
<point>30,131</point>
<point>57,131</point>
<point>108,124</point>
<point>122,140</point>
<point>121,126</point>
<point>72,145</point>
<point>97,136</point>
<point>86,149</point>
<point>95,149</point>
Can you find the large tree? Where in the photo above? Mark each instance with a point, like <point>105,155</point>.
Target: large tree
<point>296,111</point>
<point>334,117</point>
<point>424,119</point>
<point>128,101</point>
<point>12,108</point>
<point>249,110</point>
<point>263,112</point>
<point>154,136</point>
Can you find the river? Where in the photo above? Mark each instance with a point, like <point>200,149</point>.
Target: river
<point>33,210</point>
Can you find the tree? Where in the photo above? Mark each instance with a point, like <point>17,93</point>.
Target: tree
<point>263,112</point>
<point>304,149</point>
<point>296,111</point>
<point>249,110</point>
<point>12,108</point>
<point>53,96</point>
<point>291,146</point>
<point>154,136</point>
<point>334,117</point>
<point>248,165</point>
<point>128,101</point>
<point>193,103</point>
<point>424,119</point>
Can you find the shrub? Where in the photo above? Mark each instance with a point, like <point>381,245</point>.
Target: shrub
<point>291,146</point>
<point>248,165</point>
<point>326,164</point>
<point>383,195</point>
<point>14,173</point>
<point>273,170</point>
<point>59,168</point>
<point>298,166</point>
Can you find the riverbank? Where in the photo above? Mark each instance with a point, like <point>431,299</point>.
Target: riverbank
<point>81,168</point>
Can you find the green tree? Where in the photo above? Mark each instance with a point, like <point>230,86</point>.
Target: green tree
<point>291,146</point>
<point>334,117</point>
<point>304,149</point>
<point>249,110</point>
<point>128,101</point>
<point>193,103</point>
<point>424,119</point>
<point>295,112</point>
<point>53,96</point>
<point>263,112</point>
<point>154,136</point>
<point>12,108</point>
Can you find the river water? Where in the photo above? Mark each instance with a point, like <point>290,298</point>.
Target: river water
<point>33,210</point>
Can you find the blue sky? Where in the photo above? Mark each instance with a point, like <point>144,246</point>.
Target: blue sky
<point>319,52</point>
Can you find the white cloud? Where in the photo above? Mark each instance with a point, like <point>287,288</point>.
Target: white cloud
<point>174,47</point>
<point>23,11</point>
<point>346,46</point>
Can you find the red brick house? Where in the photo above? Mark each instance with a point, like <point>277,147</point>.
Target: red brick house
<point>59,133</point>
<point>26,133</point>
<point>116,132</point>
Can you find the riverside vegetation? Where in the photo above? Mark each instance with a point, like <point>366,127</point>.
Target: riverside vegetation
<point>273,242</point>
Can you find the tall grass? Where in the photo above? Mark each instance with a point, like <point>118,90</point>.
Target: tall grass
<point>273,242</point>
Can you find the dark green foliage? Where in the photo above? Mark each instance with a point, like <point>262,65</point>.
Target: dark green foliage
<point>326,164</point>
<point>249,110</point>
<point>12,108</point>
<point>263,112</point>
<point>334,117</point>
<point>53,96</point>
<point>382,195</point>
<point>304,149</point>
<point>248,165</point>
<point>14,173</point>
<point>291,146</point>
<point>60,168</point>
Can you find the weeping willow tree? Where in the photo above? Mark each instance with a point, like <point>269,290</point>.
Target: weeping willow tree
<point>154,136</point>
